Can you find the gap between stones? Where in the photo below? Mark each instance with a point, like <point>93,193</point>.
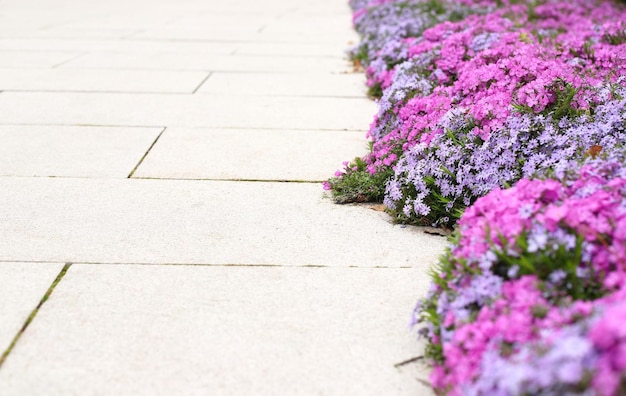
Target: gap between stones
<point>220,265</point>
<point>33,314</point>
<point>146,153</point>
<point>202,82</point>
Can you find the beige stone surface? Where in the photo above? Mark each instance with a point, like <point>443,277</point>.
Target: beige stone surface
<point>161,60</point>
<point>200,153</point>
<point>126,81</point>
<point>293,84</point>
<point>193,330</point>
<point>22,286</point>
<point>43,108</point>
<point>336,50</point>
<point>82,43</point>
<point>19,59</point>
<point>199,222</point>
<point>73,151</point>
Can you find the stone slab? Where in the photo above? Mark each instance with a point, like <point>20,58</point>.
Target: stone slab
<point>43,33</point>
<point>146,330</point>
<point>129,81</point>
<point>339,24</point>
<point>312,37</point>
<point>34,59</point>
<point>296,84</point>
<point>199,222</point>
<point>185,110</point>
<point>292,49</point>
<point>306,37</point>
<point>22,285</point>
<point>78,151</point>
<point>82,44</point>
<point>198,153</point>
<point>211,19</point>
<point>205,62</point>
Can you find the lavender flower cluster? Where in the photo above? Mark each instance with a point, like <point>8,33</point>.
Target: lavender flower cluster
<point>456,168</point>
<point>385,25</point>
<point>507,119</point>
<point>529,297</point>
<point>465,86</point>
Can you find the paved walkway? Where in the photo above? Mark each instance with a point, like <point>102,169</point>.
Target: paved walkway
<point>144,149</point>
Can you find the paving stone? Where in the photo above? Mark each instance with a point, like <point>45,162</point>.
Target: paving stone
<point>292,49</point>
<point>205,61</point>
<point>22,285</point>
<point>198,153</point>
<point>296,84</point>
<point>83,45</point>
<point>186,110</point>
<point>306,37</point>
<point>211,19</point>
<point>198,222</point>
<point>339,24</point>
<point>34,59</point>
<point>93,33</point>
<point>144,81</point>
<point>221,331</point>
<point>77,151</point>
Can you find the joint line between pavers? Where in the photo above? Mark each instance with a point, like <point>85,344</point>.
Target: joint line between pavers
<point>202,82</point>
<point>33,314</point>
<point>408,361</point>
<point>146,154</point>
<point>226,265</point>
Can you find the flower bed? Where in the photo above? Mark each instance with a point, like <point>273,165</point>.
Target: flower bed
<point>478,78</point>
<point>529,297</point>
<point>505,120</point>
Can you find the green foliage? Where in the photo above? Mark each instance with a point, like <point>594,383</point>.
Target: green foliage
<point>375,91</point>
<point>562,107</point>
<point>617,38</point>
<point>358,185</point>
<point>451,269</point>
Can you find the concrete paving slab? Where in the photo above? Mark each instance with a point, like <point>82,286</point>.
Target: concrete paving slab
<point>82,44</point>
<point>339,23</point>
<point>72,151</point>
<point>22,285</point>
<point>296,84</point>
<point>191,34</point>
<point>305,37</point>
<point>185,110</point>
<point>139,81</point>
<point>221,331</point>
<point>34,59</point>
<point>65,33</point>
<point>210,19</point>
<point>205,61</point>
<point>198,153</point>
<point>290,49</point>
<point>198,222</point>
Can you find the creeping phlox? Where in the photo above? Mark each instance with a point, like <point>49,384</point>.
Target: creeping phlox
<point>530,296</point>
<point>465,81</point>
<point>505,119</point>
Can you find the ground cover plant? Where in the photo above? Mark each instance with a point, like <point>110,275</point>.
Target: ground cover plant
<point>530,297</point>
<point>505,121</point>
<point>474,78</point>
